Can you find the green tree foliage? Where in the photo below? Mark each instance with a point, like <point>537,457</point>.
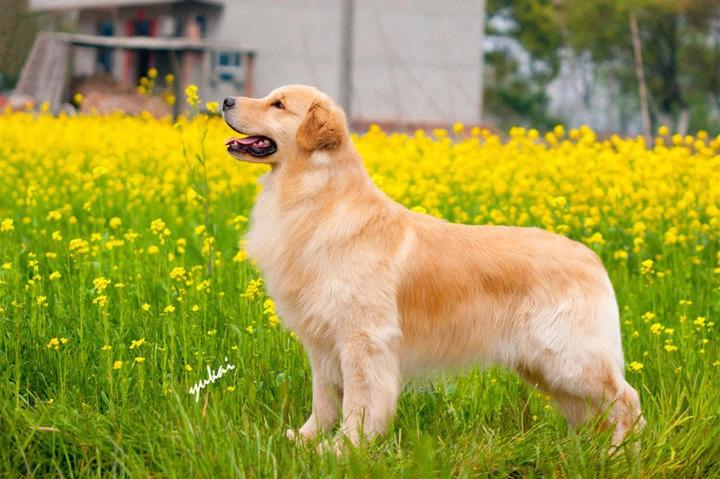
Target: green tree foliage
<point>681,51</point>
<point>515,94</point>
<point>18,28</point>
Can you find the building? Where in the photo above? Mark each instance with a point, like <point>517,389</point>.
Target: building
<point>403,62</point>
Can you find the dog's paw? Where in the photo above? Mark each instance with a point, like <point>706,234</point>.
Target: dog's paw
<point>301,436</point>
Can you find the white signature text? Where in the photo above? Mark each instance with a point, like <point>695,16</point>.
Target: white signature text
<point>212,377</point>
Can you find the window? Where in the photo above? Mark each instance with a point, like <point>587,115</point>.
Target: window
<point>202,24</point>
<point>228,59</point>
<point>104,57</point>
<point>227,66</point>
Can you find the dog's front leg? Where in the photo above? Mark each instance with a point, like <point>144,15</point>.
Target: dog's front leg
<point>371,384</point>
<point>325,399</point>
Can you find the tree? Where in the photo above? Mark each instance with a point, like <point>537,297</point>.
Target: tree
<point>681,51</point>
<point>18,28</point>
<point>526,39</point>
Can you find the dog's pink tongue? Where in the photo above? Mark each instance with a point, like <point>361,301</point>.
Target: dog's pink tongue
<point>248,140</point>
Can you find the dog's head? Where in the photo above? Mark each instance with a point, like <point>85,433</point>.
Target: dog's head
<point>292,120</point>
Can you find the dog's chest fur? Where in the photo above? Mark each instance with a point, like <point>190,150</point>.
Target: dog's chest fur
<point>312,270</point>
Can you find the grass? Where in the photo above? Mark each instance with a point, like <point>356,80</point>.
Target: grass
<point>69,409</point>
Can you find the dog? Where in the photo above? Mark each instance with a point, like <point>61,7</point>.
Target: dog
<point>377,293</point>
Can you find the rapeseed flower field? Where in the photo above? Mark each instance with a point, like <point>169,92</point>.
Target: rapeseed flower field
<point>123,279</point>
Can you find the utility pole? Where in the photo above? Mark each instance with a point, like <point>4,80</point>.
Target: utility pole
<point>346,56</point>
<point>640,73</point>
<point>481,65</point>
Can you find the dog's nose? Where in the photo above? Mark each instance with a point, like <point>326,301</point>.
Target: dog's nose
<point>228,103</point>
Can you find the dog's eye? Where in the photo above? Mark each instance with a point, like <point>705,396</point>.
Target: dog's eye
<point>278,104</point>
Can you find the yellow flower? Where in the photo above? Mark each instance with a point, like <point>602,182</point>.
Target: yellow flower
<point>101,301</point>
<point>699,322</point>
<point>670,348</point>
<point>159,228</point>
<point>178,273</point>
<point>646,266</point>
<point>117,364</point>
<point>253,288</point>
<point>100,284</point>
<point>648,316</point>
<point>188,368</point>
<point>152,73</point>
<point>663,130</point>
<point>79,246</point>
<point>78,99</point>
<point>656,328</point>
<point>7,265</point>
<point>153,250</point>
<point>230,388</point>
<point>106,347</point>
<point>596,238</point>
<point>136,343</point>
<point>239,219</point>
<point>636,366</point>
<point>115,222</point>
<point>169,309</point>
<point>191,95</point>
<point>54,275</point>
<point>139,359</point>
<point>145,307</point>
<point>54,343</point>
<point>7,225</point>
<point>212,106</point>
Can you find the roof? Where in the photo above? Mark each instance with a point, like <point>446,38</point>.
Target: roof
<point>143,43</point>
<point>50,5</point>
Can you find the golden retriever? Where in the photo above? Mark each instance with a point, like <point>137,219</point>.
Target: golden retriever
<point>377,293</point>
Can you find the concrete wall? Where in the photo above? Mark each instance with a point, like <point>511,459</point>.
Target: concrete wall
<point>417,60</point>
<point>296,42</point>
<point>414,60</point>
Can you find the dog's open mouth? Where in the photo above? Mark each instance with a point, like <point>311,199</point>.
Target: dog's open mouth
<point>256,145</point>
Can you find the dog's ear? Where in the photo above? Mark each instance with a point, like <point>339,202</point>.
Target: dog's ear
<point>322,129</point>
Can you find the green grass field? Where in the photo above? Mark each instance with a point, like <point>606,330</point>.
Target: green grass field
<point>108,317</point>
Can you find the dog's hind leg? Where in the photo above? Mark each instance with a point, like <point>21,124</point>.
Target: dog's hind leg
<point>625,414</point>
<point>574,408</point>
<point>601,386</point>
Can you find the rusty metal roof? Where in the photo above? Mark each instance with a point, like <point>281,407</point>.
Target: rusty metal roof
<point>52,5</point>
<point>143,43</point>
